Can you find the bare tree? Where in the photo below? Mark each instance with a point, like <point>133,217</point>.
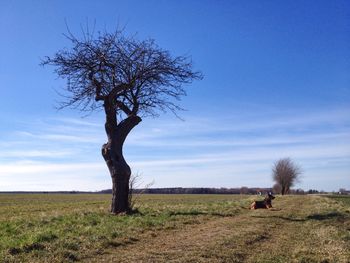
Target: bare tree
<point>285,173</point>
<point>129,79</point>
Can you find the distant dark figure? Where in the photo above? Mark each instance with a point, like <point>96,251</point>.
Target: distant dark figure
<point>267,203</point>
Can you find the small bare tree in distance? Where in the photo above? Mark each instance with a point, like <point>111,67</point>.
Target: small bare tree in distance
<point>285,173</point>
<point>128,79</point>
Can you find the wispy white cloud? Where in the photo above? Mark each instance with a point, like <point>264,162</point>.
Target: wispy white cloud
<point>36,153</point>
<point>64,138</point>
<point>267,139</point>
<point>31,167</point>
<point>77,122</point>
<point>256,155</point>
<point>41,176</point>
<point>250,122</point>
<point>64,153</point>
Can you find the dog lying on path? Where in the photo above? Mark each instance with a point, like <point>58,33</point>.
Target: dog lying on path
<point>267,203</point>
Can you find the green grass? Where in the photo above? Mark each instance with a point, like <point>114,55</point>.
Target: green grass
<point>72,227</point>
<point>177,228</point>
<point>345,199</point>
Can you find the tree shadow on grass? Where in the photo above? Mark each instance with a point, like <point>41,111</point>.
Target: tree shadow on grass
<point>331,215</point>
<point>134,211</point>
<point>292,219</point>
<point>318,217</point>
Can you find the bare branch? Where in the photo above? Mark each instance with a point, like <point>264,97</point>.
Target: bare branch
<point>139,76</point>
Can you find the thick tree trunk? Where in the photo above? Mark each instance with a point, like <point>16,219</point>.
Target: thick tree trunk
<point>120,173</point>
<point>120,189</point>
<point>284,190</point>
<point>112,152</point>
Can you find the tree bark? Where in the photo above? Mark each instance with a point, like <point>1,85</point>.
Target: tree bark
<point>284,190</point>
<point>112,152</point>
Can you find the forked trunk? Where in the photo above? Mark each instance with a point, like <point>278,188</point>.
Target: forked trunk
<point>112,152</point>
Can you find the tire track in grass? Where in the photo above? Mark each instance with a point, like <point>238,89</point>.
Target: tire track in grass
<point>290,233</point>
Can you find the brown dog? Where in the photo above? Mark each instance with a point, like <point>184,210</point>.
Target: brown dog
<point>267,203</point>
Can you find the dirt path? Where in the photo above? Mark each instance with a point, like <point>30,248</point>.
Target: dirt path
<point>285,234</point>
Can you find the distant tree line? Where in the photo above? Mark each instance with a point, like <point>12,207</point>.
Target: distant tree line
<point>197,190</point>
<point>240,190</point>
<point>194,190</point>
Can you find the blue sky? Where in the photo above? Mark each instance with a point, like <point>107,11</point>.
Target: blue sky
<point>276,84</point>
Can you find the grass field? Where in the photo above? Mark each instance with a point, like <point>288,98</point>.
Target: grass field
<point>174,228</point>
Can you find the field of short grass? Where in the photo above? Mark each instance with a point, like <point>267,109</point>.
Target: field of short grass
<point>174,228</point>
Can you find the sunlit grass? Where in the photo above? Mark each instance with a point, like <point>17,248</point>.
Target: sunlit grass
<point>70,227</point>
<point>74,227</point>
